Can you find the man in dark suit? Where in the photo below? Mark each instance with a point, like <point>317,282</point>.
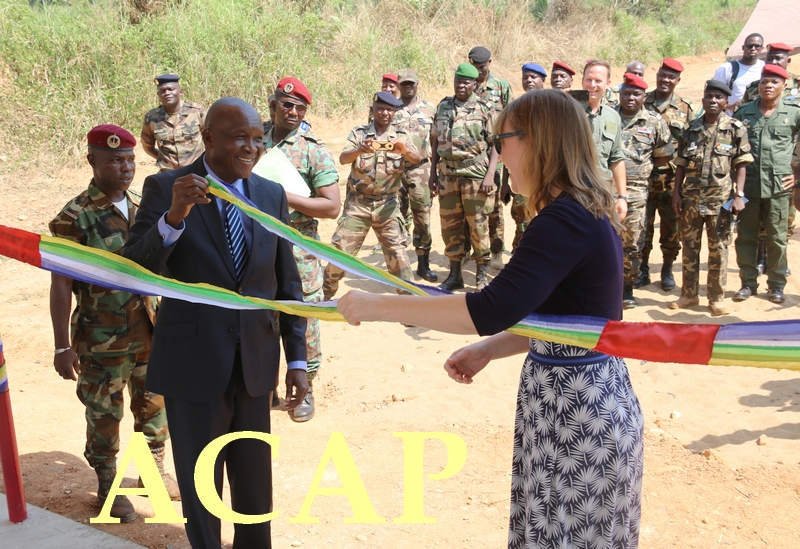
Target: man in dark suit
<point>217,367</point>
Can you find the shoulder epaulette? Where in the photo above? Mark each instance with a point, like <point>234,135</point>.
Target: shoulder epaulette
<point>74,207</point>
<point>736,123</point>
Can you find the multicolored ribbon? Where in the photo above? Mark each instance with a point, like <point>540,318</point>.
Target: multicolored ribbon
<point>761,344</point>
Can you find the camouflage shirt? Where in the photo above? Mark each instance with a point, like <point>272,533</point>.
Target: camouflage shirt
<point>607,136</point>
<point>464,133</point>
<point>495,91</point>
<point>313,160</point>
<point>645,136</point>
<point>709,154</point>
<point>677,113</point>
<point>771,142</point>
<point>177,137</point>
<point>791,94</point>
<point>379,173</point>
<point>104,321</point>
<point>417,119</point>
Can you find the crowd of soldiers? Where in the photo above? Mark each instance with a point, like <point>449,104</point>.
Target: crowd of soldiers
<point>731,161</point>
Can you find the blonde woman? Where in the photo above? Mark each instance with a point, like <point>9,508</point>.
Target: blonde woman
<point>578,442</point>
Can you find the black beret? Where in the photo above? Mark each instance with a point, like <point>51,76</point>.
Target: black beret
<point>719,86</point>
<point>387,98</point>
<point>479,55</point>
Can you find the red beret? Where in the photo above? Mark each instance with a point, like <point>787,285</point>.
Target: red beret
<point>779,46</point>
<point>672,65</point>
<point>634,81</point>
<point>111,138</point>
<point>294,88</point>
<point>390,76</point>
<point>558,65</point>
<point>774,70</point>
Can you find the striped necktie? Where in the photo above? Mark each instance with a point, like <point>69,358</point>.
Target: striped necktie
<point>236,241</point>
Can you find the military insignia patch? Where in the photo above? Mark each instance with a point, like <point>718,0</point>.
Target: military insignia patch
<point>288,88</point>
<point>113,141</point>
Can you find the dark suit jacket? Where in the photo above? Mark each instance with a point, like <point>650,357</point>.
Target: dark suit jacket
<point>194,344</point>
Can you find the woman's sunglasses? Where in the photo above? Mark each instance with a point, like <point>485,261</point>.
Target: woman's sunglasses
<point>498,140</point>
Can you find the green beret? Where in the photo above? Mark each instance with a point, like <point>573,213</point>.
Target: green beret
<point>466,70</point>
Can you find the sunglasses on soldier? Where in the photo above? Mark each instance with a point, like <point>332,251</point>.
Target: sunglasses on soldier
<point>287,106</point>
<point>498,140</point>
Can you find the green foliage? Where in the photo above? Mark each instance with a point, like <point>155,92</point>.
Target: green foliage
<point>66,65</point>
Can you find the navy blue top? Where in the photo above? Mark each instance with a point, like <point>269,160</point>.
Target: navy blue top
<point>568,262</point>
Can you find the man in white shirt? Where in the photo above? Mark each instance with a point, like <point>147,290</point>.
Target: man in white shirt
<point>740,73</point>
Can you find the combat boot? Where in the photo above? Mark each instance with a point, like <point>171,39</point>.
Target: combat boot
<point>685,302</point>
<point>718,307</point>
<point>122,508</point>
<point>305,410</point>
<point>644,275</point>
<point>667,280</point>
<point>159,452</point>
<point>480,276</point>
<point>628,301</point>
<point>424,269</point>
<point>454,280</point>
<point>761,257</point>
<point>496,262</point>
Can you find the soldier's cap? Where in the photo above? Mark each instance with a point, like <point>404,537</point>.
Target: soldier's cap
<point>559,66</point>
<point>292,87</point>
<point>718,86</point>
<point>672,65</point>
<point>110,138</point>
<point>774,70</point>
<point>633,81</point>
<point>467,70</point>
<point>387,98</point>
<point>779,46</point>
<point>479,55</point>
<point>407,75</point>
<point>166,79</point>
<point>533,67</point>
<point>390,76</point>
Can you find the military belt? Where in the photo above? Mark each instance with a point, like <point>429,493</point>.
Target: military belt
<point>376,197</point>
<point>463,164</point>
<point>413,166</point>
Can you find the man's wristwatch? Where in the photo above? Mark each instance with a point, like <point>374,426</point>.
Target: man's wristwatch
<point>622,197</point>
<point>740,194</point>
<point>61,350</point>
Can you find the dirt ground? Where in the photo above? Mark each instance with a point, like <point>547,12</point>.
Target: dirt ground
<point>707,482</point>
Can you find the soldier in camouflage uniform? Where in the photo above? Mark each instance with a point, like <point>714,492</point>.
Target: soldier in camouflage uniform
<point>561,76</point>
<point>677,112</point>
<point>464,176</point>
<point>372,191</point>
<point>314,161</point>
<point>110,330</point>
<point>171,132</point>
<point>416,119</point>
<point>497,93</point>
<point>713,146</point>
<point>647,143</point>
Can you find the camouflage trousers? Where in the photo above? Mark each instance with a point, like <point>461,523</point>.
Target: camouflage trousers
<point>415,206</point>
<point>633,234</point>
<point>100,388</point>
<point>463,206</point>
<point>520,216</point>
<point>773,212</point>
<point>719,233</point>
<point>361,213</point>
<point>670,237</point>
<point>497,226</point>
<point>311,275</point>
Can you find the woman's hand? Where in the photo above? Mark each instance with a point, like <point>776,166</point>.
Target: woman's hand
<point>466,362</point>
<point>357,307</point>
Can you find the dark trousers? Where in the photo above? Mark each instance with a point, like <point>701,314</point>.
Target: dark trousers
<point>248,462</point>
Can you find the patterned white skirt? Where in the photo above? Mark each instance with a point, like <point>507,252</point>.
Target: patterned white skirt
<point>578,452</point>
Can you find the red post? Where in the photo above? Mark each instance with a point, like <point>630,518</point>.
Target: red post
<point>9,455</point>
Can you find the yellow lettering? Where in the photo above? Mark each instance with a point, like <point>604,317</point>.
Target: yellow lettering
<point>204,478</point>
<point>413,474</point>
<point>352,486</point>
<point>154,488</point>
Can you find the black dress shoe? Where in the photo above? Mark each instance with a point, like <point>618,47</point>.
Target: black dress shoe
<point>305,410</point>
<point>775,295</point>
<point>743,294</point>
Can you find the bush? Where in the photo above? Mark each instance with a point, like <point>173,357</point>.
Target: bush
<point>68,65</point>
